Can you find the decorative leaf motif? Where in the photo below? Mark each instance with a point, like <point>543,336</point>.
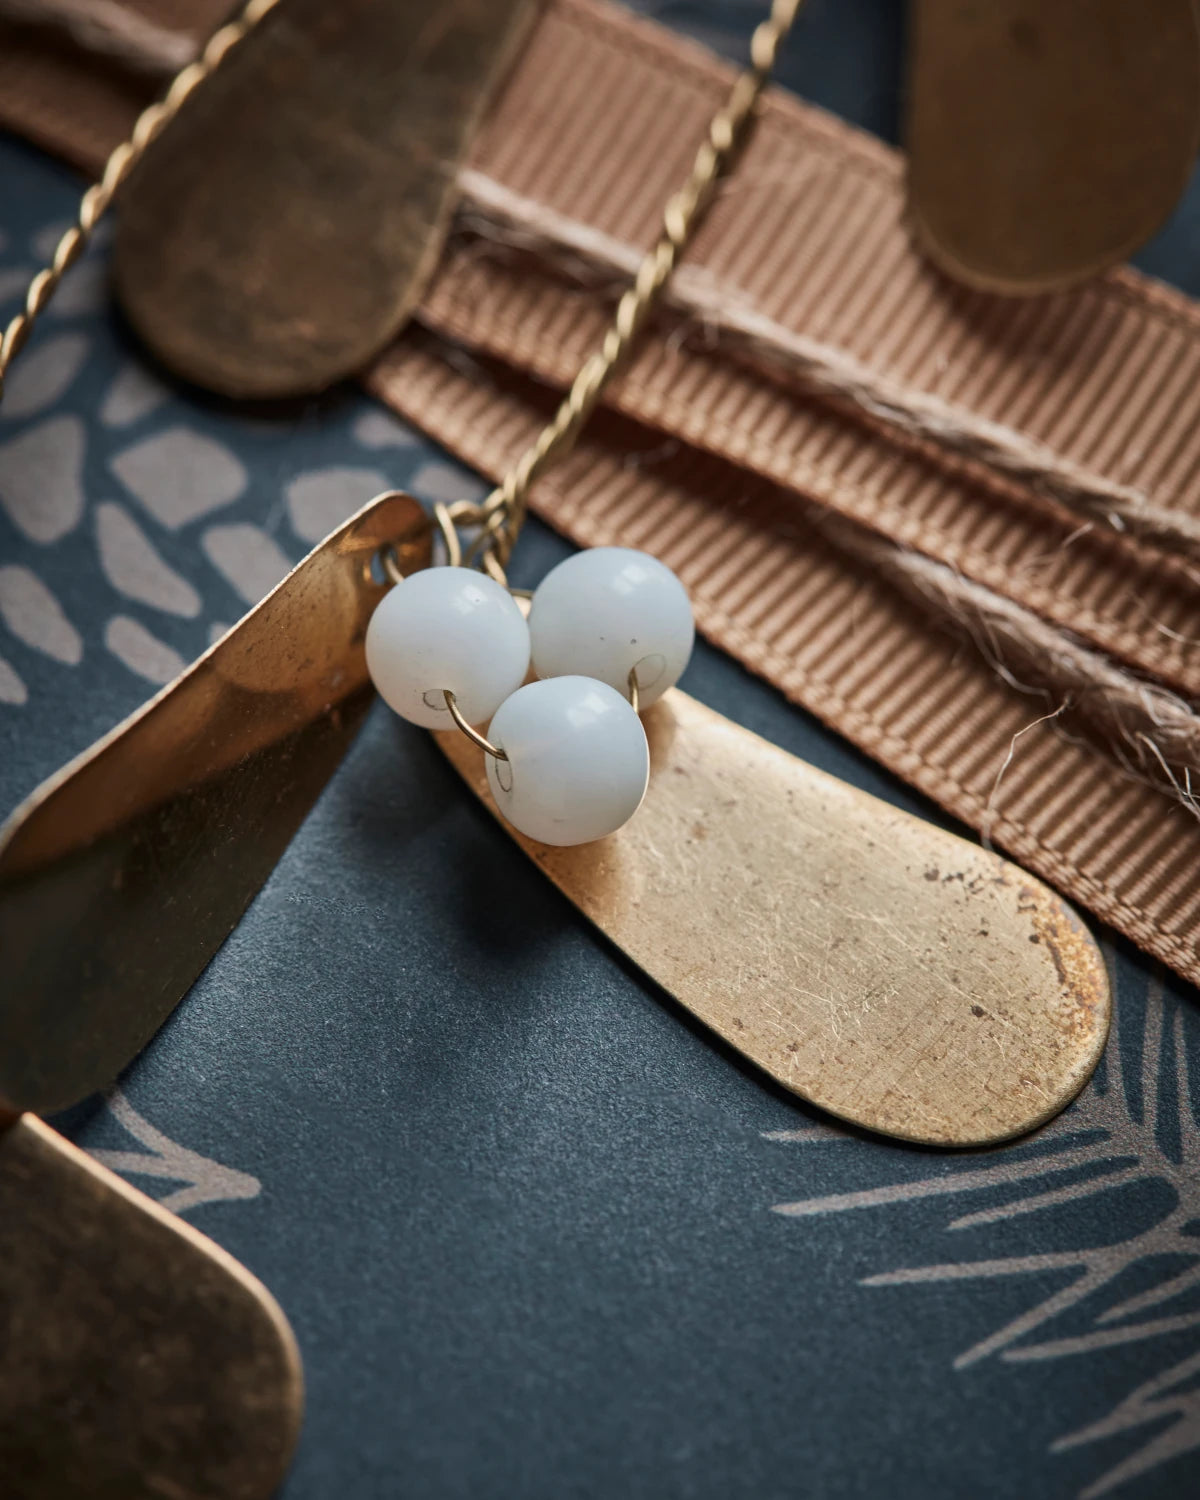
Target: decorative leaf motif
<point>41,479</point>
<point>449,482</point>
<point>134,394</point>
<point>320,500</point>
<point>12,689</point>
<point>180,475</point>
<point>205,1181</point>
<point>43,376</point>
<point>132,644</point>
<point>133,566</point>
<point>252,561</point>
<point>35,616</point>
<point>379,429</point>
<point>1167,1395</point>
<point>1118,1132</point>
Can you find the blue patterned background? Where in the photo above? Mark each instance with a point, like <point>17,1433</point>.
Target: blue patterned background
<point>538,1233</point>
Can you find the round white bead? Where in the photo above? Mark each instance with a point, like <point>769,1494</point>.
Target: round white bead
<point>447,628</point>
<point>577,762</point>
<point>607,610</point>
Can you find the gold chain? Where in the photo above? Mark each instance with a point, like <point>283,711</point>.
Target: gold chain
<point>118,166</point>
<point>498,519</point>
<point>502,514</point>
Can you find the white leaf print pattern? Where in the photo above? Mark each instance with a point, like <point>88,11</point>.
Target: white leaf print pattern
<point>134,568</point>
<point>251,560</point>
<point>41,479</point>
<point>180,475</point>
<point>379,429</point>
<point>135,647</point>
<point>320,500</point>
<point>44,375</point>
<point>1115,1134</point>
<point>439,481</point>
<point>134,394</point>
<point>35,616</point>
<point>12,689</point>
<point>205,1180</point>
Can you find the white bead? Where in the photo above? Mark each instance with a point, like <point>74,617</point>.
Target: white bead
<point>577,762</point>
<point>447,628</point>
<point>610,609</point>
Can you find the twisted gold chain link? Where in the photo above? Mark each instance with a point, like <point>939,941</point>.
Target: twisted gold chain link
<point>99,196</point>
<point>501,515</point>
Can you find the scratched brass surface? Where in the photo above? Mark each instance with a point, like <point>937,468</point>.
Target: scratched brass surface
<point>122,875</point>
<point>140,1360</point>
<point>278,233</point>
<point>881,968</point>
<point>1047,142</point>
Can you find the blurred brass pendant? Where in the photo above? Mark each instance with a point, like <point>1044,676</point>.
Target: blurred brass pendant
<point>139,1359</point>
<point>1048,142</point>
<point>881,968</point>
<point>277,236</point>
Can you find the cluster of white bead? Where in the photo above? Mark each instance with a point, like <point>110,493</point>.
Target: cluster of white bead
<point>574,762</point>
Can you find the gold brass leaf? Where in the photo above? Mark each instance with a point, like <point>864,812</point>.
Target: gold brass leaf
<point>139,1360</point>
<point>1047,142</point>
<point>124,873</point>
<point>876,965</point>
<point>278,233</point>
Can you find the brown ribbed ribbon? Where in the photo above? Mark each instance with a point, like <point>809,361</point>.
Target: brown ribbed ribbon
<point>596,125</point>
<point>713,462</point>
<point>771,590</point>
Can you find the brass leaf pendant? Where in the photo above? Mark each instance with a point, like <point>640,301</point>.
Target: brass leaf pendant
<point>1047,142</point>
<point>122,875</point>
<point>278,235</point>
<point>892,973</point>
<point>140,1359</point>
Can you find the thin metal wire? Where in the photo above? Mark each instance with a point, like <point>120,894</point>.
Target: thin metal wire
<point>445,520</point>
<point>635,699</point>
<point>99,196</point>
<point>471,733</point>
<point>502,514</point>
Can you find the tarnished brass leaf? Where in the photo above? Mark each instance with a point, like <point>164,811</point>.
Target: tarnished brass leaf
<point>874,964</point>
<point>139,1359</point>
<point>278,233</point>
<point>1048,141</point>
<point>122,875</point>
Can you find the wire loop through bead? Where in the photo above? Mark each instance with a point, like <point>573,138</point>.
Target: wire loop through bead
<point>471,733</point>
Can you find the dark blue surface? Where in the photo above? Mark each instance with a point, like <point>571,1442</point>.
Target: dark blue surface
<point>519,1207</point>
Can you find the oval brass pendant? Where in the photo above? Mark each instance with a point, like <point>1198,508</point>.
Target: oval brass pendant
<point>140,1360</point>
<point>1048,142</point>
<point>881,968</point>
<point>276,237</point>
